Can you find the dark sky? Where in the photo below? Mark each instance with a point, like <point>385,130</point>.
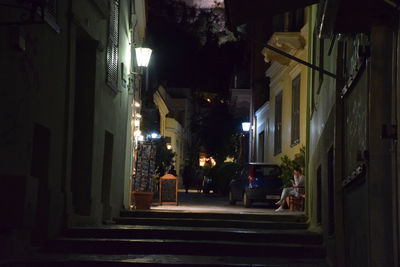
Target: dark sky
<point>186,49</point>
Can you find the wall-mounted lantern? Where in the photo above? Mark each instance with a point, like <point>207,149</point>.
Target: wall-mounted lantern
<point>143,55</point>
<point>246,126</point>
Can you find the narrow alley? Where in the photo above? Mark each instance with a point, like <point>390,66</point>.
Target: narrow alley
<point>200,133</point>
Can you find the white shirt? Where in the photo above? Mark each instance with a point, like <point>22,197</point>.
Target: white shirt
<point>299,184</point>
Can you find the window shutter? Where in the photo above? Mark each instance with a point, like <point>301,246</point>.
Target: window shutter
<point>51,8</point>
<point>112,46</point>
<point>50,14</point>
<point>295,111</point>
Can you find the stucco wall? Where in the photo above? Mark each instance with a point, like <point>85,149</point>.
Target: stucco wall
<point>33,63</point>
<point>281,77</point>
<point>111,112</point>
<point>174,130</point>
<point>38,80</point>
<point>321,104</point>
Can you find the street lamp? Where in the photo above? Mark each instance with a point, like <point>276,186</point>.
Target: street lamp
<point>246,126</point>
<point>243,157</point>
<point>143,55</point>
<point>154,135</point>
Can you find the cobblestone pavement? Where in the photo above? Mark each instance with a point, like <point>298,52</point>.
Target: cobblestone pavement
<point>215,203</point>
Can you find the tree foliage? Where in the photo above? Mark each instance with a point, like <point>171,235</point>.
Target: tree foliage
<point>215,128</point>
<point>187,42</point>
<point>164,157</point>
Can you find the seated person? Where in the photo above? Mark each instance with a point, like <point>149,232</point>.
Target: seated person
<point>295,190</point>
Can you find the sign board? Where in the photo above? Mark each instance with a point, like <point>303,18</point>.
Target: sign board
<point>168,190</point>
<point>145,167</point>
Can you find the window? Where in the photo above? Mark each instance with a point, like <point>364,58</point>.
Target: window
<point>261,147</point>
<point>112,46</point>
<point>295,111</point>
<point>267,170</point>
<point>278,124</point>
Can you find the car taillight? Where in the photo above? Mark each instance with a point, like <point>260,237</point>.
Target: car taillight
<point>251,175</point>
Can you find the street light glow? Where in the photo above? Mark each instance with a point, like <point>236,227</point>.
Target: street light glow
<point>143,56</point>
<point>246,126</point>
<point>154,135</point>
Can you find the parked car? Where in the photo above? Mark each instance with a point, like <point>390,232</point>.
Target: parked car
<point>256,182</point>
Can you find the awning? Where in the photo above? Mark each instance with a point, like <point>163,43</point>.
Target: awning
<point>241,12</point>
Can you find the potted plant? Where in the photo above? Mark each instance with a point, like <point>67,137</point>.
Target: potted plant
<point>288,165</point>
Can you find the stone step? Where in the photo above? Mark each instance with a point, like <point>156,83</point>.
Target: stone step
<point>46,260</point>
<point>196,233</point>
<point>220,223</point>
<point>184,247</point>
<point>225,216</point>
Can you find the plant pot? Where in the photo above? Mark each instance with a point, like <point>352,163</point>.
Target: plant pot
<point>143,200</point>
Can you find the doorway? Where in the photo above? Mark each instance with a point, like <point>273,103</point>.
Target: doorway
<point>107,174</point>
<point>82,151</point>
<point>40,170</point>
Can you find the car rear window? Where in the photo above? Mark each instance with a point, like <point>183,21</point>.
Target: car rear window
<point>266,170</point>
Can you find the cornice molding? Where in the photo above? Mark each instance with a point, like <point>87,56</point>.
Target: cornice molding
<point>289,42</point>
<point>264,108</point>
<point>160,103</point>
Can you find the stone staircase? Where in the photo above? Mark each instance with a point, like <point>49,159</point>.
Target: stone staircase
<point>187,239</point>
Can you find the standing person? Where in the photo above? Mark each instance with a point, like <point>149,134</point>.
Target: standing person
<point>199,179</point>
<point>296,189</point>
